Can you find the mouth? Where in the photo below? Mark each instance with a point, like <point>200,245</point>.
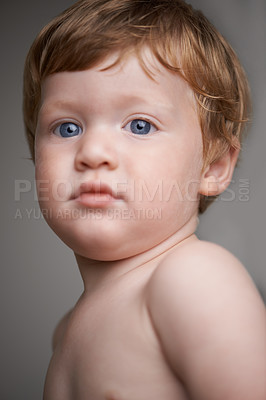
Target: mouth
<point>96,194</point>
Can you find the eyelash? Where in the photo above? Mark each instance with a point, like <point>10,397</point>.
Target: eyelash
<point>152,127</point>
<point>60,125</point>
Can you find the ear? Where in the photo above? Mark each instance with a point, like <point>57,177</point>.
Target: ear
<point>217,176</point>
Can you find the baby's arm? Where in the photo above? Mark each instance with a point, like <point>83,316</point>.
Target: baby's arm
<point>211,323</point>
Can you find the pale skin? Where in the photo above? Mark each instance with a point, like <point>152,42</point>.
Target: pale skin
<point>163,316</point>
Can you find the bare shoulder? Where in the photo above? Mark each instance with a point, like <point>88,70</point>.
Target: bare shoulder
<point>200,265</point>
<point>211,322</point>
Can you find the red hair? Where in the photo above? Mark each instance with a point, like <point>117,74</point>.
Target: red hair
<point>182,40</point>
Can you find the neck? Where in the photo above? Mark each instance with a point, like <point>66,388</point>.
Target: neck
<point>96,273</point>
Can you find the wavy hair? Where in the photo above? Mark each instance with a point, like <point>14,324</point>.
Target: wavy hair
<point>180,37</point>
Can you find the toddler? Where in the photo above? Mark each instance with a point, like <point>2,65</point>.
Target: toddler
<point>134,112</point>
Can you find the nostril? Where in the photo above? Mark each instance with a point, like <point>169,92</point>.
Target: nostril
<point>95,155</point>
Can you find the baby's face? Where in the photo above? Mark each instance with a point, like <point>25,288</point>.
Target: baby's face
<point>118,158</point>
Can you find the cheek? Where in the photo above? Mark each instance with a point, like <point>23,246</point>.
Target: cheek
<point>42,160</point>
<point>44,175</point>
<point>50,176</point>
<point>183,175</point>
<point>170,185</point>
<point>51,162</point>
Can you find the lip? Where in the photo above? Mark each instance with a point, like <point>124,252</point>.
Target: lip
<point>96,194</point>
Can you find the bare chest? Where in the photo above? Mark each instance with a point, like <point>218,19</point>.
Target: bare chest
<point>110,352</point>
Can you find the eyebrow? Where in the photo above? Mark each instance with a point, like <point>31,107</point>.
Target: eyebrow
<point>46,106</point>
<point>122,101</point>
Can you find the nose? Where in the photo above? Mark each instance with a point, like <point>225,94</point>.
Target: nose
<point>96,148</point>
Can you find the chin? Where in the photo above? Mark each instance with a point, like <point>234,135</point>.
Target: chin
<point>100,247</point>
<point>103,253</point>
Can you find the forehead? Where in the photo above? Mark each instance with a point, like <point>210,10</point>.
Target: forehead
<point>131,78</point>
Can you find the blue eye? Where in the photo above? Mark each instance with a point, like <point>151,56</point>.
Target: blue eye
<point>140,127</point>
<point>68,129</point>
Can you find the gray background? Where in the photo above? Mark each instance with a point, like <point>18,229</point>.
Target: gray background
<point>39,278</point>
